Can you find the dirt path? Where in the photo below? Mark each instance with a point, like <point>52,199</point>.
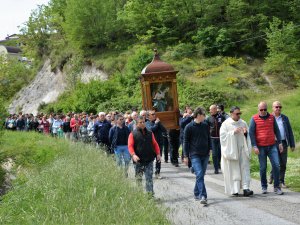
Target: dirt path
<point>175,191</point>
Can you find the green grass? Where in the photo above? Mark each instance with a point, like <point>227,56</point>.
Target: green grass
<point>82,186</point>
<point>292,178</point>
<point>30,149</point>
<point>290,100</point>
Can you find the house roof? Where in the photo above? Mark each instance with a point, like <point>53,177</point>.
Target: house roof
<point>11,49</point>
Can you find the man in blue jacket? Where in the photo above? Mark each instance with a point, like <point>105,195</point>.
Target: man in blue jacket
<point>287,139</point>
<point>101,132</point>
<point>197,146</point>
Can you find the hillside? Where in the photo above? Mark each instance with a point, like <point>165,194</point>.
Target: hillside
<point>231,52</point>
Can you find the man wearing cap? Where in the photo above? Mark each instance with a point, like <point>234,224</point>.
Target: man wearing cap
<point>264,132</point>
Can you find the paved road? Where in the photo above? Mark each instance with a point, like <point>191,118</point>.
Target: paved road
<point>175,191</point>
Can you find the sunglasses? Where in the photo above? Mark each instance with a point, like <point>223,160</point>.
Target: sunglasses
<point>278,107</point>
<point>238,114</point>
<point>263,110</point>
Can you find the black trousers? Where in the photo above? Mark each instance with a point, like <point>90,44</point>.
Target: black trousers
<point>174,145</point>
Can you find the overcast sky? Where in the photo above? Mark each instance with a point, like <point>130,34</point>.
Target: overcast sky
<point>14,13</point>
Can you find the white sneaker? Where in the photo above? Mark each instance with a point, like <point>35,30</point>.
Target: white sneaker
<point>203,201</point>
<point>278,191</point>
<point>157,176</point>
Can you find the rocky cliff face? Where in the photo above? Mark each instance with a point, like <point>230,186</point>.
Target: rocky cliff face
<point>47,86</point>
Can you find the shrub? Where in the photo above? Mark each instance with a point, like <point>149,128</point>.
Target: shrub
<point>208,72</point>
<point>283,56</point>
<point>232,61</point>
<point>193,94</point>
<point>182,50</point>
<point>232,80</point>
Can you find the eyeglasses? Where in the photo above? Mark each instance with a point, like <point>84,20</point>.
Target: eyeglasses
<point>263,110</point>
<point>278,107</point>
<point>238,114</point>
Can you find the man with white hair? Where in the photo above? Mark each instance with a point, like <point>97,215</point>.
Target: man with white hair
<point>101,132</point>
<point>287,138</point>
<point>132,125</point>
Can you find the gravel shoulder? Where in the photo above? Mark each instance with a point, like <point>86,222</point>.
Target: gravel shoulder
<point>175,192</point>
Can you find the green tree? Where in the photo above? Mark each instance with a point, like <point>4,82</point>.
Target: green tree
<point>92,23</point>
<point>283,53</point>
<point>13,76</point>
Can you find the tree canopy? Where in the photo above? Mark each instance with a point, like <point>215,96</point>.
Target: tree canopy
<point>219,26</point>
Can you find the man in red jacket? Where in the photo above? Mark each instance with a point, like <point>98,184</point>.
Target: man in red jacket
<point>264,132</point>
<point>74,125</point>
<point>143,149</point>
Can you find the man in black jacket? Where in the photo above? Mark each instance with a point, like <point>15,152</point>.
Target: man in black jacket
<point>197,145</point>
<point>215,121</point>
<point>154,125</point>
<point>143,148</point>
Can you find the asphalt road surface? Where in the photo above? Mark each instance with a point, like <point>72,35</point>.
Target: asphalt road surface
<point>175,192</point>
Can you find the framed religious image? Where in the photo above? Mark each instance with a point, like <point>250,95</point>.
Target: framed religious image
<point>162,99</point>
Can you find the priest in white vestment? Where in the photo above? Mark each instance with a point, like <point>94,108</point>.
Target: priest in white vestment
<point>235,154</point>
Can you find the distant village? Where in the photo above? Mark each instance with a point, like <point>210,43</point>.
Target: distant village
<point>10,47</point>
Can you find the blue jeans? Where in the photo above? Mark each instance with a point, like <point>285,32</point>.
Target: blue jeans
<point>199,165</point>
<point>216,152</point>
<point>122,156</point>
<point>272,153</point>
<point>147,168</point>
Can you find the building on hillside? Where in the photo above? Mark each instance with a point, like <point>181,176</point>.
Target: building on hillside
<point>13,36</point>
<point>10,51</point>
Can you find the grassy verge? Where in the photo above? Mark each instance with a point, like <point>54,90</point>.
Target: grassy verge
<point>292,178</point>
<point>82,186</point>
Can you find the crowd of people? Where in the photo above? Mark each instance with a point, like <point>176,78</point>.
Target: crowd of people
<point>142,138</point>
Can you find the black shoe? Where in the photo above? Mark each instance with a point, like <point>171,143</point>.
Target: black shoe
<point>248,192</point>
<point>192,170</point>
<point>216,171</point>
<point>271,180</point>
<point>235,194</point>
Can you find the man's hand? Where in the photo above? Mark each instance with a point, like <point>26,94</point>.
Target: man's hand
<point>256,150</point>
<point>293,149</point>
<point>280,148</point>
<point>238,130</point>
<point>186,161</point>
<point>158,158</point>
<point>135,158</point>
<point>157,120</point>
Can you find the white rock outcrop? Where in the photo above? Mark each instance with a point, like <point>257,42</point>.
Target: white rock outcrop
<point>47,86</point>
